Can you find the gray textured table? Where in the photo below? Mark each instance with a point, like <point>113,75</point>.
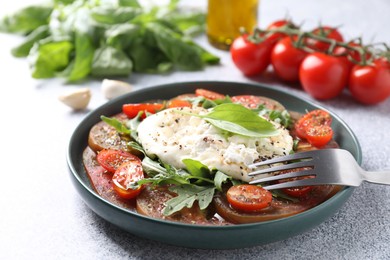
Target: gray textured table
<point>42,217</point>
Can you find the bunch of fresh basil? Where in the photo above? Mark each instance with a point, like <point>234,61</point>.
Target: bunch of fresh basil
<point>74,39</point>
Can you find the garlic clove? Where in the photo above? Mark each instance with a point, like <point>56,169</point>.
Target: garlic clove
<point>114,88</point>
<point>77,99</point>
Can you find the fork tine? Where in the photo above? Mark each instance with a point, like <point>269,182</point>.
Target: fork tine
<point>296,183</point>
<point>306,172</point>
<point>283,159</point>
<point>282,167</point>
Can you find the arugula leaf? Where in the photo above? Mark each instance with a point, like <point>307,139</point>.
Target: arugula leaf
<point>196,168</point>
<point>220,178</point>
<point>118,125</point>
<point>187,195</point>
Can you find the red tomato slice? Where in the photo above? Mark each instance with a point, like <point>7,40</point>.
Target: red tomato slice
<point>110,159</point>
<point>319,135</point>
<point>248,198</point>
<point>248,101</point>
<point>316,117</point>
<point>128,173</point>
<point>208,94</point>
<point>132,110</point>
<point>179,103</point>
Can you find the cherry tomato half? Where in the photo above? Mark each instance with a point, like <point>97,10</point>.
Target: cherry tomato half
<point>179,103</point>
<point>111,159</point>
<point>313,118</point>
<point>132,110</point>
<point>248,198</point>
<point>319,135</point>
<point>250,58</point>
<point>208,94</point>
<point>286,60</point>
<point>128,173</point>
<point>323,76</point>
<point>370,84</point>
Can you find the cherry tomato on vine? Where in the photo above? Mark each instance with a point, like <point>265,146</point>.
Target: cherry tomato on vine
<point>250,58</point>
<point>274,37</point>
<point>323,76</point>
<point>248,198</point>
<point>111,159</point>
<point>286,59</point>
<point>128,173</point>
<point>370,84</point>
<point>324,31</point>
<point>356,56</point>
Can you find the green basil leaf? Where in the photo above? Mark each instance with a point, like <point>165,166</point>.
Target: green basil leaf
<point>197,169</point>
<point>129,3</point>
<point>84,52</point>
<point>220,178</point>
<point>113,14</point>
<point>48,58</point>
<point>26,19</point>
<point>187,195</point>
<point>23,49</point>
<point>109,61</point>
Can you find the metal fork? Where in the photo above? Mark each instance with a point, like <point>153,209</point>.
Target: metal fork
<point>326,166</point>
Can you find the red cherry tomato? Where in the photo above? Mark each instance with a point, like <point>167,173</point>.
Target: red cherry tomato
<point>128,173</point>
<point>208,94</point>
<point>132,110</point>
<point>311,119</point>
<point>319,136</point>
<point>370,84</point>
<point>110,159</point>
<point>248,101</point>
<point>327,32</point>
<point>323,76</point>
<point>274,37</point>
<point>356,56</point>
<point>250,58</point>
<point>248,198</point>
<point>297,192</point>
<point>286,59</point>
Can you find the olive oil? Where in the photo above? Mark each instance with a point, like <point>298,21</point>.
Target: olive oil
<point>226,17</point>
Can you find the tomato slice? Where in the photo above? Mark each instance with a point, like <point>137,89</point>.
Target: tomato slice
<point>128,173</point>
<point>248,198</point>
<point>111,159</point>
<point>319,135</point>
<point>132,110</point>
<point>248,101</point>
<point>179,103</point>
<point>316,117</point>
<point>208,94</point>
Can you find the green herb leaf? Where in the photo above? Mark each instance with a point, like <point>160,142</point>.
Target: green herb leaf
<point>238,119</point>
<point>220,178</point>
<point>24,48</point>
<point>118,125</point>
<point>109,61</point>
<point>187,195</point>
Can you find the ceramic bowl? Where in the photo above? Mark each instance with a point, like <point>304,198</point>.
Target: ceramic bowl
<point>196,236</point>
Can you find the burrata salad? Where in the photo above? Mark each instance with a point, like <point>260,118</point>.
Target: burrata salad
<point>187,159</point>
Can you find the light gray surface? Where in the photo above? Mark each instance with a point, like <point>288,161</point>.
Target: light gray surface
<point>42,217</point>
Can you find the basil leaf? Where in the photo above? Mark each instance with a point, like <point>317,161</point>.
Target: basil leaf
<point>187,195</point>
<point>197,169</point>
<point>47,58</point>
<point>238,119</point>
<point>23,49</point>
<point>109,61</point>
<point>113,14</point>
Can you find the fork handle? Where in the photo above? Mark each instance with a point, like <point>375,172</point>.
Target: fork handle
<point>380,177</point>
